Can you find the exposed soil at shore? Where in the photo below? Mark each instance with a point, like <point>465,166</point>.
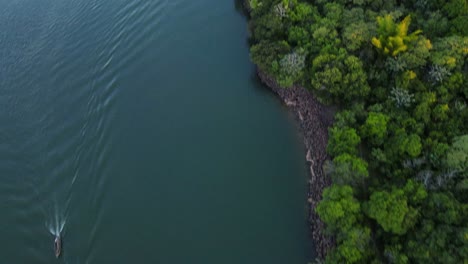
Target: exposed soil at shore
<point>314,119</point>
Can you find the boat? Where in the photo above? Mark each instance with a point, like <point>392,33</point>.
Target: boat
<point>57,246</point>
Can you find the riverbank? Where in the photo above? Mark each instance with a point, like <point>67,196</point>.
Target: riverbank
<point>314,119</point>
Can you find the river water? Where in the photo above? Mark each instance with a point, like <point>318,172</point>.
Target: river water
<point>138,131</point>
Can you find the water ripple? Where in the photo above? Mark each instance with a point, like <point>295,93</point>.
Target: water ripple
<point>60,81</point>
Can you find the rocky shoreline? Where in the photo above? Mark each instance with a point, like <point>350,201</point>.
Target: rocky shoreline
<point>314,119</point>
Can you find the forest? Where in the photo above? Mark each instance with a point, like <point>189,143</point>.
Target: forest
<point>398,72</point>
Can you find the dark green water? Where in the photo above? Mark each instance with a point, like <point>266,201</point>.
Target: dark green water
<point>139,129</point>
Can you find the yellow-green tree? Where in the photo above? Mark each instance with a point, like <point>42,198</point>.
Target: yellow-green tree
<point>393,38</point>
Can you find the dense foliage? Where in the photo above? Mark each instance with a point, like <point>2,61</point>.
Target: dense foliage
<point>399,145</point>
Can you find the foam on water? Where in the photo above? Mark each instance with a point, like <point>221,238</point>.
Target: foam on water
<point>56,222</point>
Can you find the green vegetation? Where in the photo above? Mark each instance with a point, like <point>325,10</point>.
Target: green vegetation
<point>399,145</point>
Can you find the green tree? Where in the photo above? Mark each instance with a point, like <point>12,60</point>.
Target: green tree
<point>348,170</point>
<point>411,145</point>
<point>354,246</point>
<point>392,210</point>
<point>342,140</point>
<point>422,112</point>
<point>303,13</point>
<point>440,112</point>
<point>267,54</point>
<point>375,127</point>
<point>457,156</point>
<point>455,8</point>
<point>436,25</point>
<point>442,236</point>
<point>417,53</point>
<point>346,118</point>
<point>299,36</point>
<point>394,254</point>
<point>338,209</point>
<point>333,13</point>
<point>450,52</point>
<point>325,36</point>
<point>269,27</point>
<point>340,76</point>
<point>355,35</point>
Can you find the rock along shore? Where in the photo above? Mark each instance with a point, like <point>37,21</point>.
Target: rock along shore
<point>314,119</point>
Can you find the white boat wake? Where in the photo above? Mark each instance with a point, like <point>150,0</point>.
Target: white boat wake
<point>57,222</point>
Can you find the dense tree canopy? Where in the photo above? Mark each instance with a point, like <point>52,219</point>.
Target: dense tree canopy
<point>398,70</point>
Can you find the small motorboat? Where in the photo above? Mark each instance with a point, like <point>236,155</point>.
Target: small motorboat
<point>57,246</point>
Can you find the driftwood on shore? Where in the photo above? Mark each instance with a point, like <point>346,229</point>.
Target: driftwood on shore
<point>314,120</point>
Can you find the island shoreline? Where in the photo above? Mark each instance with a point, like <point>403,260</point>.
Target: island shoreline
<point>314,120</point>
